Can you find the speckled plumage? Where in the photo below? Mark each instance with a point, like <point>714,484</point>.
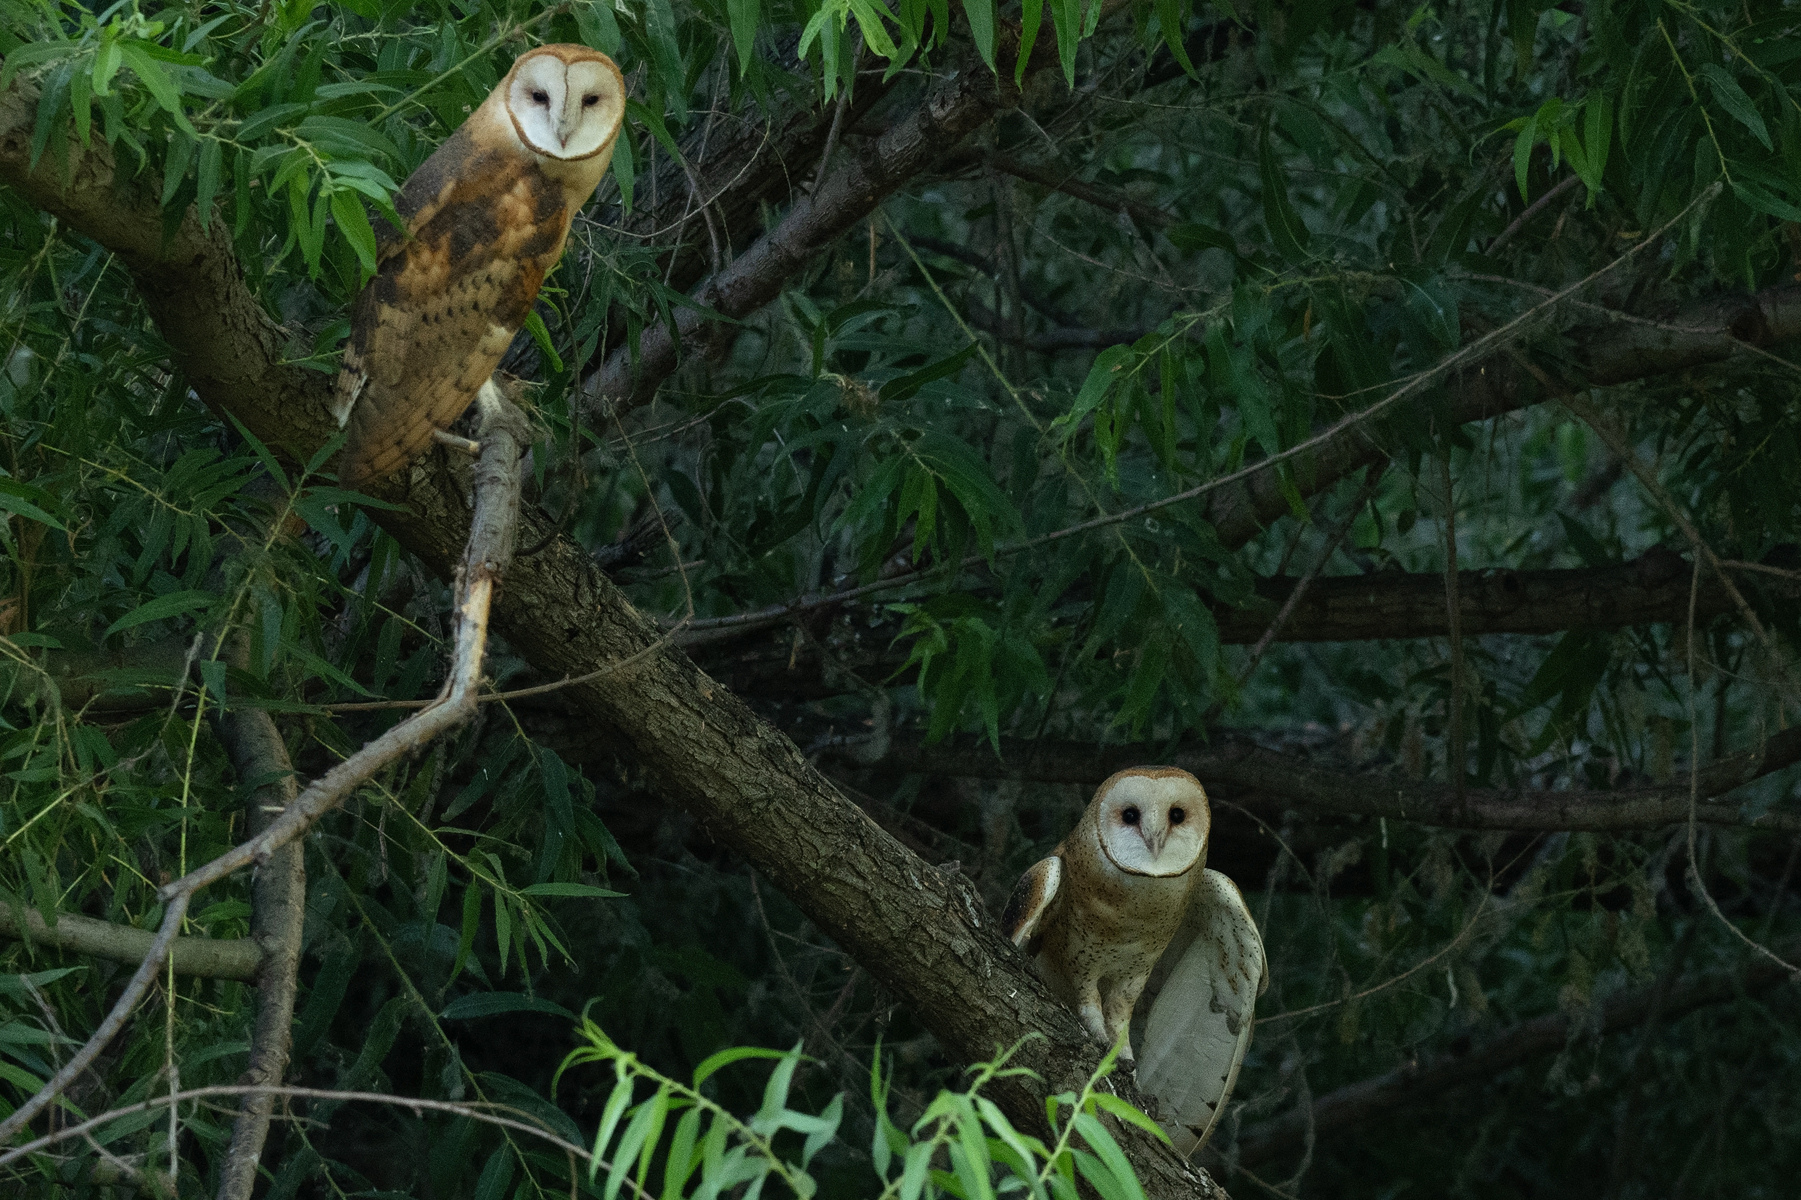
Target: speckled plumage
<point>1127,896</point>
<point>486,217</point>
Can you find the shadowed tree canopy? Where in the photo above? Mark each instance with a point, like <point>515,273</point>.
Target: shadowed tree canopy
<point>1392,415</point>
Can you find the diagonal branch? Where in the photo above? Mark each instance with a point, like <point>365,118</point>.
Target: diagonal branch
<point>922,932</point>
<point>955,105</point>
<point>1280,780</point>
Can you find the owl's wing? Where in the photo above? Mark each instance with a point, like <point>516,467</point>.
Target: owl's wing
<point>1199,1024</point>
<point>433,324</point>
<point>1031,899</point>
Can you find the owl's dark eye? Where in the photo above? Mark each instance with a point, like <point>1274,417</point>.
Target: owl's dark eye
<point>1177,816</point>
<point>590,101</point>
<point>1129,816</point>
<point>540,98</point>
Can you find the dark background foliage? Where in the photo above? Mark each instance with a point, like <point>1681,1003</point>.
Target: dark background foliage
<point>956,511</point>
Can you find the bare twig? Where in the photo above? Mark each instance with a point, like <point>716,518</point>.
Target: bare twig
<point>1532,210</point>
<point>208,958</point>
<point>1616,441</point>
<point>1696,883</point>
<point>109,1028</point>
<point>475,1112</point>
<point>489,550</point>
<point>278,910</point>
<point>1454,744</point>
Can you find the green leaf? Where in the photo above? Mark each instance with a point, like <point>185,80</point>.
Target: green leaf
<point>175,166</point>
<point>1099,381</point>
<point>160,609</point>
<point>353,224</point>
<point>570,889</point>
<point>636,1135</point>
<point>534,325</point>
<point>1597,135</point>
<point>725,1058</point>
<point>1286,229</point>
<point>342,136</point>
<point>609,1119</point>
<point>34,54</point>
<point>1107,1102</point>
<point>981,28</point>
<point>1732,98</point>
<point>1066,15</point>
<point>107,61</point>
<point>905,386</point>
<point>489,1004</point>
<point>746,15</point>
<point>11,502</point>
<point>1172,21</point>
<point>1102,1178</point>
<point>496,1175</point>
<point>1522,151</point>
<point>666,56</point>
<point>155,80</point>
<point>1764,202</point>
<point>81,104</point>
<point>1031,18</point>
<point>624,167</point>
<point>472,920</point>
<point>206,178</point>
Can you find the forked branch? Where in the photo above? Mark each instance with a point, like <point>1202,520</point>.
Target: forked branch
<point>490,549</point>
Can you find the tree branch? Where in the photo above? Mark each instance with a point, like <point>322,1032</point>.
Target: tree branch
<point>1359,1103</point>
<point>1650,589</point>
<point>921,932</point>
<point>955,105</point>
<point>207,958</point>
<point>1277,780</point>
<point>1612,352</point>
<point>278,912</point>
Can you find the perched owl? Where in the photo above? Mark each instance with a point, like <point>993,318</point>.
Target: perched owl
<point>1127,900</point>
<point>486,216</point>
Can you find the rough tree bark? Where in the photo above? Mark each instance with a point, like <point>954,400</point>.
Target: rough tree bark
<point>922,933</point>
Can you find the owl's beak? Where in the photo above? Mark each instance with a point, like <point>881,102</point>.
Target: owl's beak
<point>1154,839</point>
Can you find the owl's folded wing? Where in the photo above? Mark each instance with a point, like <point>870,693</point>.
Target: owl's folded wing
<point>1031,899</point>
<point>1199,1024</point>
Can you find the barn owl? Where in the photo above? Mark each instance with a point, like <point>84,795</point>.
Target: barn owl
<point>1127,900</point>
<point>486,216</point>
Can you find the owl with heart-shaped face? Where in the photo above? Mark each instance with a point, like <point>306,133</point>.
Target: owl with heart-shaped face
<point>486,217</point>
<point>1128,896</point>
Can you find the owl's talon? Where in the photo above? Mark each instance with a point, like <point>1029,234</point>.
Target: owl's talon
<point>444,438</point>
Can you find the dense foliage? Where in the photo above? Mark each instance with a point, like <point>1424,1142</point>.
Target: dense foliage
<point>972,481</point>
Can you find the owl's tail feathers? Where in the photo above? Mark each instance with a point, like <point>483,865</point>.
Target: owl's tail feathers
<point>344,396</point>
<point>1199,1025</point>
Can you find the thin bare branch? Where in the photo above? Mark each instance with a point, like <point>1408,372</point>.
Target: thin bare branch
<point>207,958</point>
<point>1272,780</point>
<point>278,912</point>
